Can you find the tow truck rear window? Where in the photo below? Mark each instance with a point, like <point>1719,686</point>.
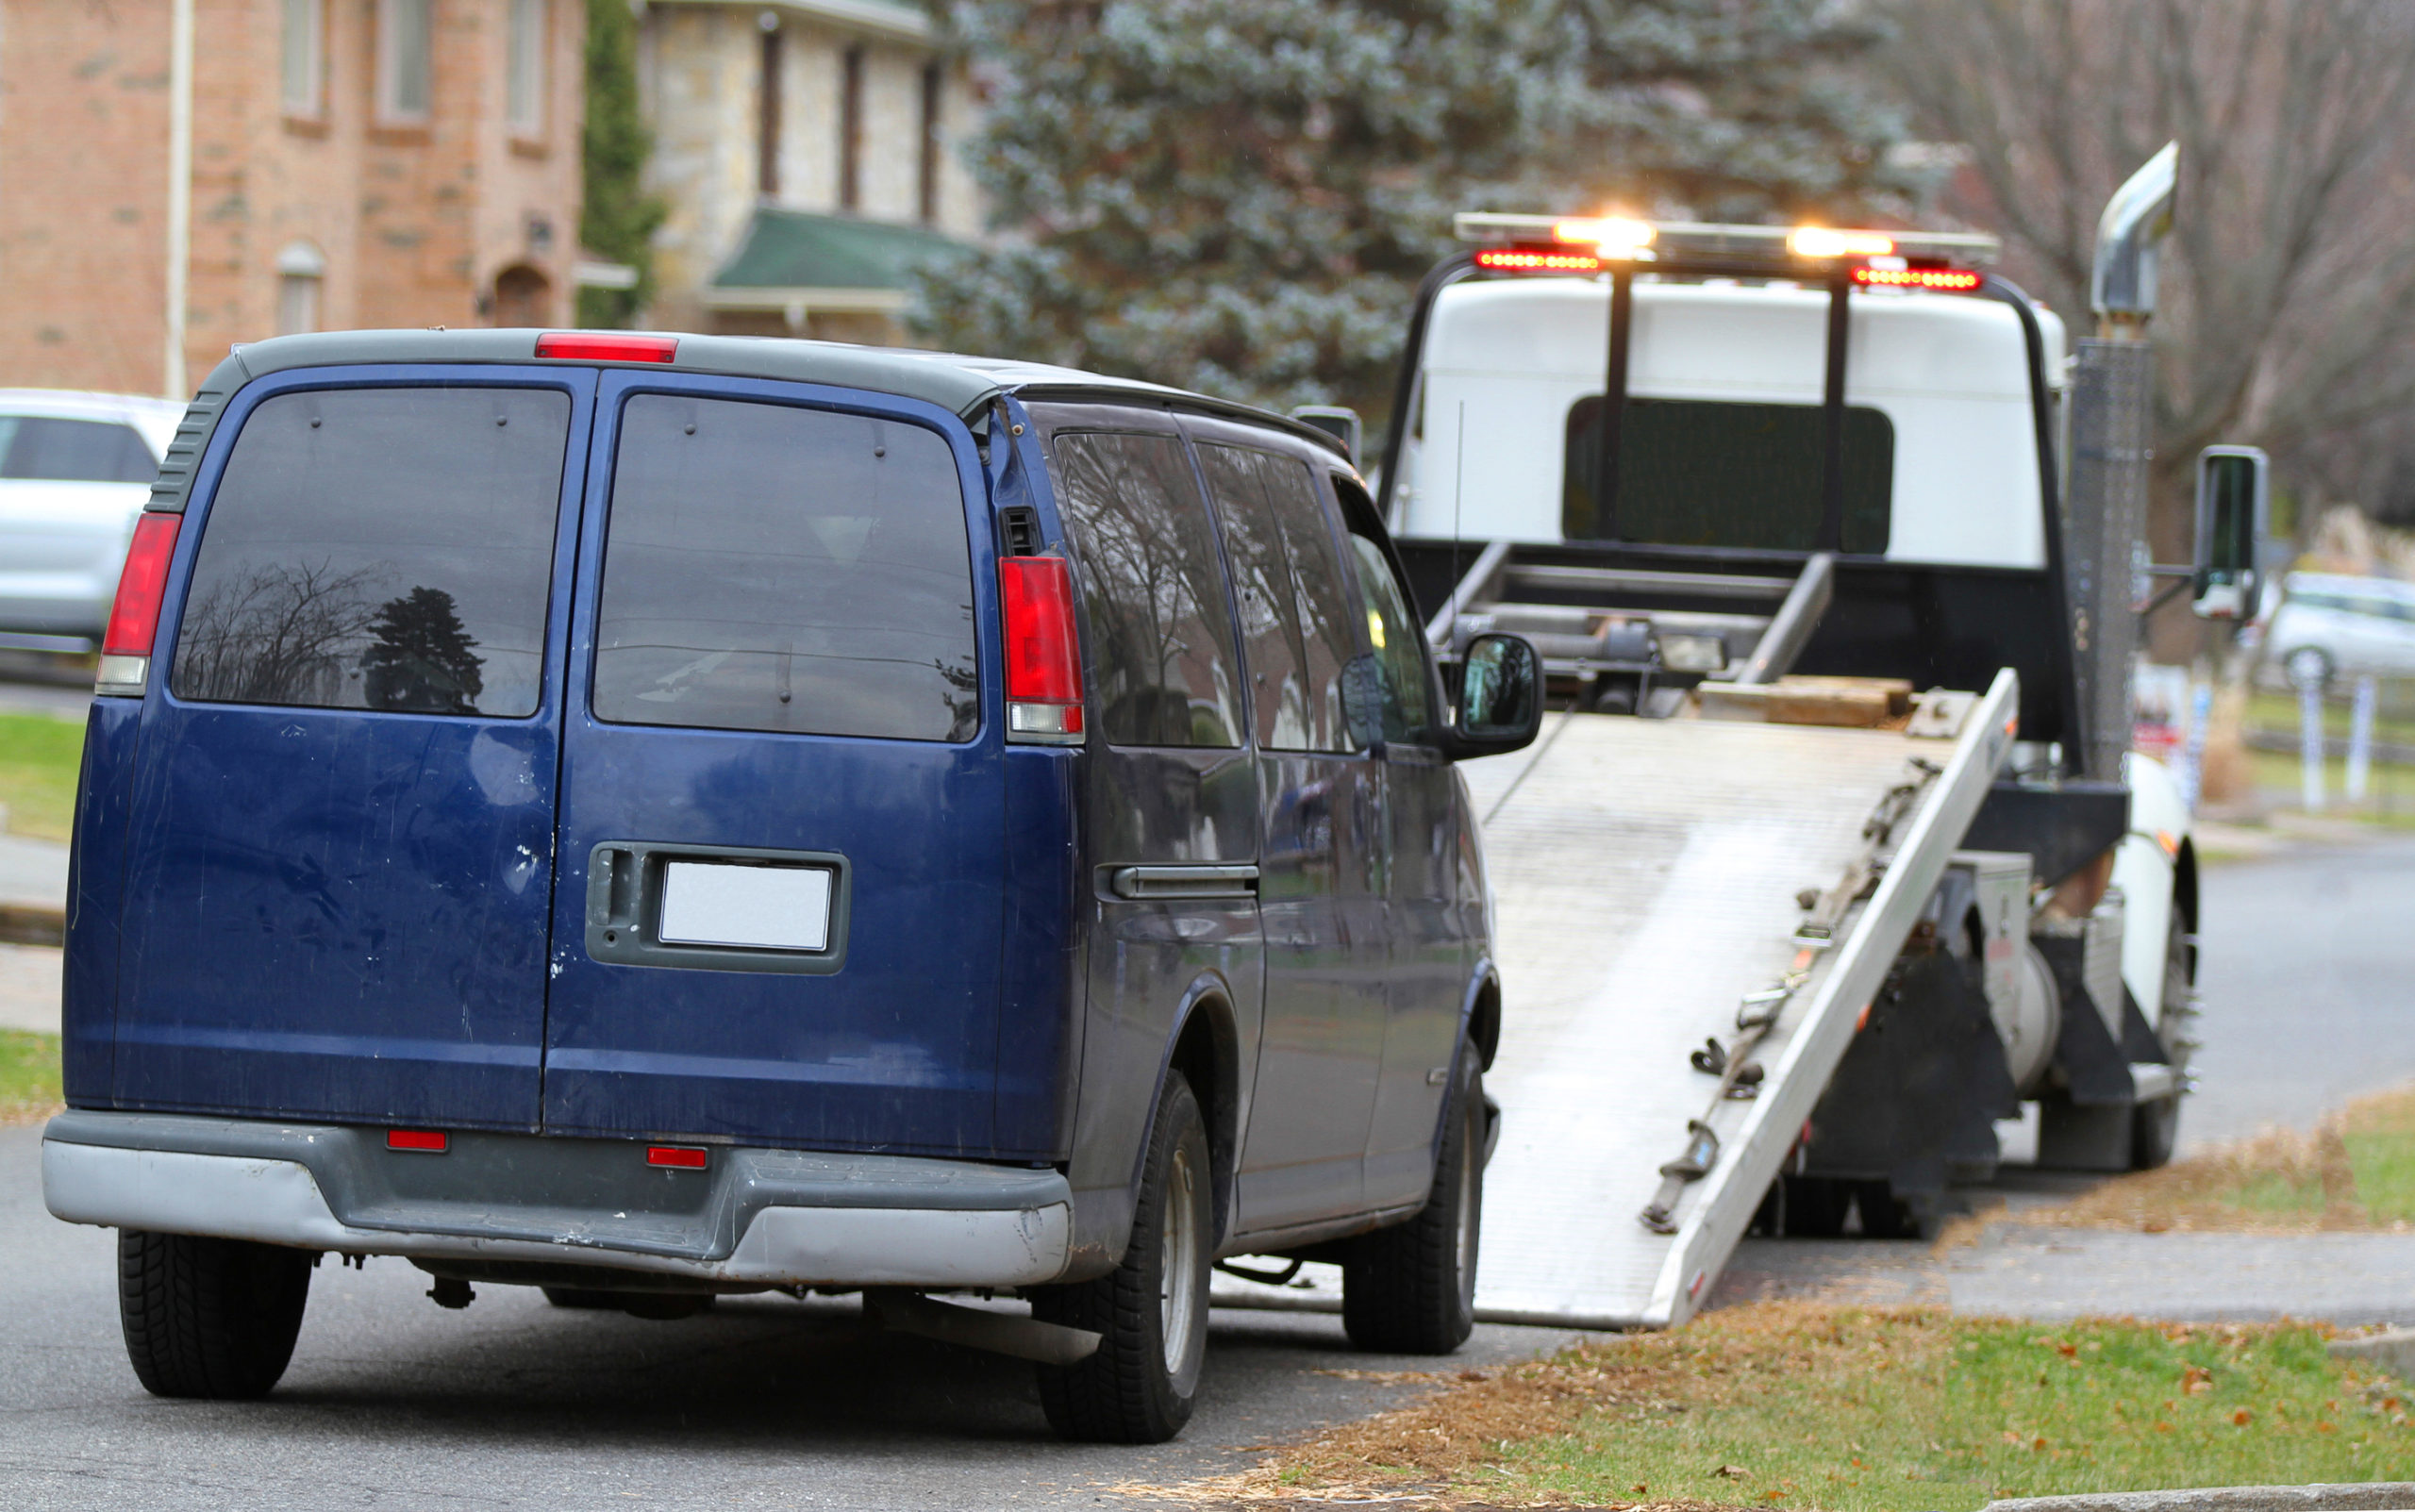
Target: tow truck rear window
<point>1710,473</point>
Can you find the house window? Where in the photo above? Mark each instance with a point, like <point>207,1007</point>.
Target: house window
<point>301,272</point>
<point>405,54</point>
<point>927,164</point>
<point>767,117</point>
<point>525,67</point>
<point>851,130</point>
<point>302,75</point>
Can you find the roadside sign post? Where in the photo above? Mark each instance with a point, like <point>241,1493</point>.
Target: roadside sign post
<point>2310,745</point>
<point>2360,740</point>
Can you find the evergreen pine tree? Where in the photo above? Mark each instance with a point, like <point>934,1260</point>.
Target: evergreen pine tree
<point>421,657</point>
<point>1240,199</point>
<point>618,218</point>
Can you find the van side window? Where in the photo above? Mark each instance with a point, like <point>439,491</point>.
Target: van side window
<point>1394,633</point>
<point>385,549</point>
<point>1295,620</point>
<point>771,568</point>
<point>1160,636</point>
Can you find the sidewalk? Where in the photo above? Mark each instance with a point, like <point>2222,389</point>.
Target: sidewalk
<point>33,890</point>
<point>2019,1270</point>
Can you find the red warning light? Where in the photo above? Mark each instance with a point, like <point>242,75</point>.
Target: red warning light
<point>1947,280</point>
<point>1507,259</point>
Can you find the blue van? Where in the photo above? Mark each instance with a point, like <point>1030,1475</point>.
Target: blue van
<point>649,817</point>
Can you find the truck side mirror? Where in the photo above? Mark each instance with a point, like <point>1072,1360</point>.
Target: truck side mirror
<point>2232,503</point>
<point>1335,421</point>
<point>1501,696</point>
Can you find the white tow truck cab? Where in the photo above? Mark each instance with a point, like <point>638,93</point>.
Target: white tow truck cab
<point>1862,833</point>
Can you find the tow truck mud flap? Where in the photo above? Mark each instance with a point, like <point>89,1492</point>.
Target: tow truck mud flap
<point>1646,874</point>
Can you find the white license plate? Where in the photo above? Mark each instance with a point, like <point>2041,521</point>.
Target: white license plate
<point>752,907</point>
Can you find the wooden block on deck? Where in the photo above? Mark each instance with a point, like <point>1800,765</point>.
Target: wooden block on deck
<point>1852,702</point>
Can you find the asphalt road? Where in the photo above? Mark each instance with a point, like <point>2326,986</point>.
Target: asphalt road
<point>393,1402</point>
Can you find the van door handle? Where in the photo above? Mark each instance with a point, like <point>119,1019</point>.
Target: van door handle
<point>1155,882</point>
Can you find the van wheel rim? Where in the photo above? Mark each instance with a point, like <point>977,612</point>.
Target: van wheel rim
<point>1179,1272</point>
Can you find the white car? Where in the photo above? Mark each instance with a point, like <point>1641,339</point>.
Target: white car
<point>74,470</point>
<point>2328,626</point>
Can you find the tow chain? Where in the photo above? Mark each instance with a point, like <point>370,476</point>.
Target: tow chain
<point>1757,1014</point>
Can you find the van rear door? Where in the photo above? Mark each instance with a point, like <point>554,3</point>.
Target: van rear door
<point>340,873</point>
<point>779,916</point>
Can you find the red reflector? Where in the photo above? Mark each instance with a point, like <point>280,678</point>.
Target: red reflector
<point>672,1154</point>
<point>1504,261</point>
<point>1951,280</point>
<point>134,619</point>
<point>587,346</point>
<point>1043,651</point>
<point>429,1139</point>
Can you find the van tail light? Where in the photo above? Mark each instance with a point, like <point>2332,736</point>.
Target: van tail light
<point>1043,651</point>
<point>427,1141</point>
<point>133,618</point>
<point>675,1157</point>
<point>590,346</point>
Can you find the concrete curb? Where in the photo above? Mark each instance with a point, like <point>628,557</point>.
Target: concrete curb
<point>2391,1349</point>
<point>2367,1496</point>
<point>30,923</point>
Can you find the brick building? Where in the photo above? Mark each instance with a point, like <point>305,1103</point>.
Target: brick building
<point>808,153</point>
<point>353,163</point>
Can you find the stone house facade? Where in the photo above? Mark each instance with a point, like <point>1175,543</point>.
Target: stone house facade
<point>808,152</point>
<point>353,163</point>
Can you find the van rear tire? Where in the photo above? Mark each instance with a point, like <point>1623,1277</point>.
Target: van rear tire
<point>1410,1288</point>
<point>1151,1311</point>
<point>214,1319</point>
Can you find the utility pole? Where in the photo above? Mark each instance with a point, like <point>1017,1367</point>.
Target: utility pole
<point>173,382</point>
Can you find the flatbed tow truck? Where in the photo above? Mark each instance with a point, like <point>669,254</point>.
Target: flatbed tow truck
<point>1833,853</point>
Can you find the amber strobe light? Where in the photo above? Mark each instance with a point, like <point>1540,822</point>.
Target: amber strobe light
<point>1043,651</point>
<point>590,346</point>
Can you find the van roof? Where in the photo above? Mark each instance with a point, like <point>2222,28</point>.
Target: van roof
<point>964,385</point>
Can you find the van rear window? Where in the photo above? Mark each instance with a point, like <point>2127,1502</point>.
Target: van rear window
<point>385,549</point>
<point>772,568</point>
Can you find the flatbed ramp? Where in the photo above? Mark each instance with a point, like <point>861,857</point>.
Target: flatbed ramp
<point>1646,874</point>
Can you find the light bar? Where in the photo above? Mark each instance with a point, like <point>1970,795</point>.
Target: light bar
<point>1611,235</point>
<point>1677,240</point>
<point>1821,241</point>
<point>1502,259</point>
<point>1950,281</point>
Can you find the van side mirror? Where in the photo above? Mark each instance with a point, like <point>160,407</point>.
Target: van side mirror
<point>1501,696</point>
<point>1335,421</point>
<point>2232,501</point>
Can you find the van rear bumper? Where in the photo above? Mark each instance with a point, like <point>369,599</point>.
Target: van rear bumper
<point>753,1217</point>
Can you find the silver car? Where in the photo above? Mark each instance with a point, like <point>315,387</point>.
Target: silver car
<point>2330,624</point>
<point>75,470</point>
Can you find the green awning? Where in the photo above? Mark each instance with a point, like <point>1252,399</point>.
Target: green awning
<point>793,249</point>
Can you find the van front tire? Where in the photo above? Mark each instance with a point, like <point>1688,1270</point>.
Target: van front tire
<point>1410,1288</point>
<point>206,1318</point>
<point>1151,1311</point>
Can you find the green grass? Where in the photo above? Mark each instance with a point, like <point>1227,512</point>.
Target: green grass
<point>2379,1133</point>
<point>2393,714</point>
<point>1813,1407</point>
<point>28,1074</point>
<point>38,759</point>
<point>2389,795</point>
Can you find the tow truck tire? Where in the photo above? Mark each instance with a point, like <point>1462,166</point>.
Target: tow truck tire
<point>209,1318</point>
<point>1410,1288</point>
<point>2154,1127</point>
<point>1151,1311</point>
